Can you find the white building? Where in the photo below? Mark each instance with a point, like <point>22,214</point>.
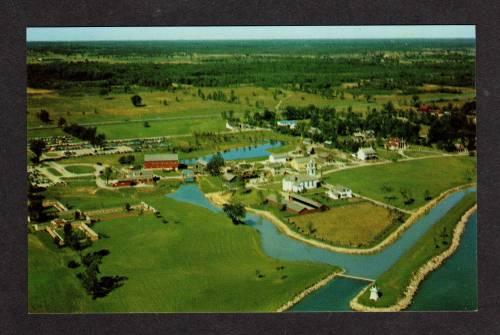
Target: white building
<point>278,158</point>
<point>374,293</point>
<point>366,154</point>
<point>299,183</point>
<point>287,123</point>
<point>338,192</point>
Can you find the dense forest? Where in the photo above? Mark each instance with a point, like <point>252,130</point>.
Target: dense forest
<point>313,66</point>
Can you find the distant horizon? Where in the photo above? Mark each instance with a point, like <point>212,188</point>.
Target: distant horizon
<point>247,33</point>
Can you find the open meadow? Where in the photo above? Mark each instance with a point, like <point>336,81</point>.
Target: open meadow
<point>189,260</point>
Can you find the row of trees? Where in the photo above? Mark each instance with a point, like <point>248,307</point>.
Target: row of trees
<point>86,134</point>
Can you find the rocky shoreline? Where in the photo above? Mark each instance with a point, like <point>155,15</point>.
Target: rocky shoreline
<point>420,275</point>
<point>308,291</point>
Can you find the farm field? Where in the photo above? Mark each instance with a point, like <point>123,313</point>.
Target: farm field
<point>395,280</point>
<point>352,225</point>
<point>194,243</point>
<point>381,182</point>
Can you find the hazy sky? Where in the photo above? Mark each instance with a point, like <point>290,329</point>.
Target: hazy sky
<point>249,32</point>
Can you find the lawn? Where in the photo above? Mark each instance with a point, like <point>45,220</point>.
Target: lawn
<point>197,262</point>
<point>209,184</point>
<point>54,171</point>
<point>162,128</point>
<point>394,281</point>
<point>353,225</point>
<point>385,182</point>
<point>79,169</point>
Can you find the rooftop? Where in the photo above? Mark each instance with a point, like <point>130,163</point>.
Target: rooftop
<point>308,201</point>
<point>160,157</point>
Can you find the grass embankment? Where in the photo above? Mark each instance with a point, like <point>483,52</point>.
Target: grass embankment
<point>393,283</point>
<point>54,172</point>
<point>385,182</point>
<point>196,262</point>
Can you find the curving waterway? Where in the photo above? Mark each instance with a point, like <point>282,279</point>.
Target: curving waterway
<point>280,246</point>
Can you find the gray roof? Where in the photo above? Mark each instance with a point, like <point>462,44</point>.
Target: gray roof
<point>338,188</point>
<point>308,201</point>
<point>301,159</point>
<point>228,176</point>
<point>138,174</point>
<point>278,155</point>
<point>160,157</point>
<point>369,151</point>
<point>202,162</point>
<point>296,206</point>
<point>300,178</point>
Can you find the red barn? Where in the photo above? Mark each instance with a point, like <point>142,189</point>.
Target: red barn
<point>161,161</point>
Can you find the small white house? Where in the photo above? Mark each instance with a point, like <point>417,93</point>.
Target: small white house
<point>339,192</point>
<point>278,158</point>
<point>365,154</point>
<point>374,293</point>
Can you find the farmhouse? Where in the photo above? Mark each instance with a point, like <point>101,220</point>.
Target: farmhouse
<point>278,158</point>
<point>395,143</point>
<point>365,154</point>
<point>287,123</point>
<point>338,192</point>
<point>161,161</point>
<point>200,166</point>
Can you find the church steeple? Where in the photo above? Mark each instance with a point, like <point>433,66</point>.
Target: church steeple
<point>311,167</point>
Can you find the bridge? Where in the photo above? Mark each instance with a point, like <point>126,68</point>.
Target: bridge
<point>356,277</point>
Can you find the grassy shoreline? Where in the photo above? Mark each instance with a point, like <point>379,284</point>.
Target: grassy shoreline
<point>400,282</point>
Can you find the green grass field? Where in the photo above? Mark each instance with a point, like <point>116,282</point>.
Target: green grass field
<point>197,262</point>
<point>54,171</point>
<point>162,128</point>
<point>380,182</point>
<point>79,169</point>
<point>394,281</point>
<point>352,225</point>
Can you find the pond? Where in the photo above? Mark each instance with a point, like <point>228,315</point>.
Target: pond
<point>280,246</point>
<point>247,152</point>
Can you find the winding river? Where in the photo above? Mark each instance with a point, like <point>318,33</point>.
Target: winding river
<point>280,246</point>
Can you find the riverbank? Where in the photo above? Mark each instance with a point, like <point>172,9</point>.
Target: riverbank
<point>308,291</point>
<point>420,275</point>
<point>284,228</point>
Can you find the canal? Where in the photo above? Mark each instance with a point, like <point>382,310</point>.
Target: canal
<point>280,246</point>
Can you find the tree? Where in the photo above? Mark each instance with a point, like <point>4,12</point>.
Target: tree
<point>235,212</point>
<point>61,122</point>
<point>146,124</point>
<point>136,100</point>
<point>107,173</point>
<point>215,163</point>
<point>37,147</point>
<point>44,116</point>
<point>128,207</point>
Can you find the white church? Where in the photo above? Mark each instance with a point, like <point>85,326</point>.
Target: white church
<point>301,182</point>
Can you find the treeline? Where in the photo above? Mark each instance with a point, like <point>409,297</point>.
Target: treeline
<point>86,134</point>
<point>315,75</point>
<point>247,47</point>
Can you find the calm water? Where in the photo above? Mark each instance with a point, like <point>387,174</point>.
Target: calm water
<point>453,286</point>
<point>335,296</point>
<point>280,246</point>
<point>241,153</point>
